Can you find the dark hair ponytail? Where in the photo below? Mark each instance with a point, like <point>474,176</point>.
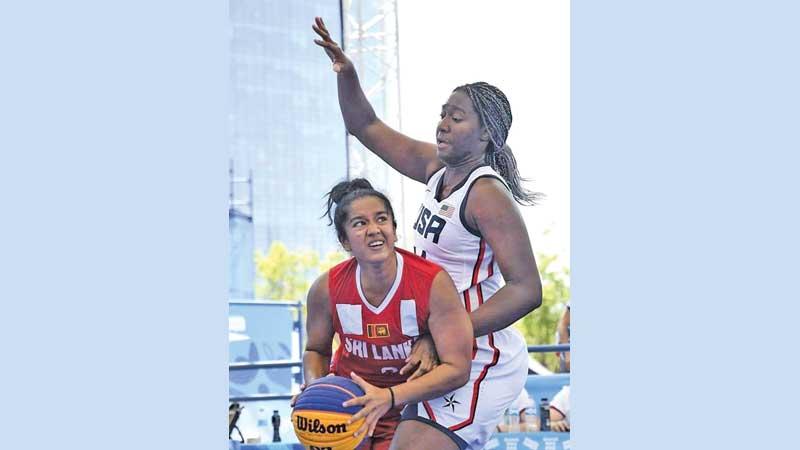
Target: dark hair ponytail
<point>494,111</point>
<point>342,195</point>
<point>505,164</point>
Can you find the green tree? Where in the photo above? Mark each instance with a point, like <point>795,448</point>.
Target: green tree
<point>539,327</point>
<point>286,275</point>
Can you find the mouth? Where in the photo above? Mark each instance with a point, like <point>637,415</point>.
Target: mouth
<point>441,143</point>
<point>376,244</point>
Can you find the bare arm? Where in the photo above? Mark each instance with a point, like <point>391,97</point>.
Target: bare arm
<point>319,332</point>
<point>492,211</point>
<point>563,328</point>
<point>413,158</point>
<point>452,332</point>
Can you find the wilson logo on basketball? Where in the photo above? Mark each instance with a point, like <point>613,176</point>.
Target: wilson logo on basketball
<point>377,330</point>
<point>316,426</point>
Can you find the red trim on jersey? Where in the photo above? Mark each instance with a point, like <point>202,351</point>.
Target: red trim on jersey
<point>429,410</point>
<point>477,268</point>
<point>476,388</point>
<point>491,266</point>
<point>468,306</point>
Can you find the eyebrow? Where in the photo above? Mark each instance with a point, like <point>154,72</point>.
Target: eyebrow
<point>362,217</point>
<point>446,105</point>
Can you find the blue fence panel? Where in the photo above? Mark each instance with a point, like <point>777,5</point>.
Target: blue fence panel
<point>260,333</point>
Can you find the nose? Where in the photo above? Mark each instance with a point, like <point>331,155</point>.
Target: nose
<point>372,229</point>
<point>443,126</point>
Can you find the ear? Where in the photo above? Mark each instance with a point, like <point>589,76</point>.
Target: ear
<point>485,135</point>
<point>346,246</point>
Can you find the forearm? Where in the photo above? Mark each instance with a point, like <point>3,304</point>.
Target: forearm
<point>507,305</point>
<point>444,378</point>
<point>356,110</point>
<point>315,365</point>
<point>563,335</point>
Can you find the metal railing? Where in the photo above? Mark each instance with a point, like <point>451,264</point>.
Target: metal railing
<point>298,325</point>
<point>548,348</point>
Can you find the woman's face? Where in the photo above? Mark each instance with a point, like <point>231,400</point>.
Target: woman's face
<point>459,135</point>
<point>369,230</point>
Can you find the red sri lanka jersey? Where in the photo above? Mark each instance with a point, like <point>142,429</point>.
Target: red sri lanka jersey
<point>376,340</point>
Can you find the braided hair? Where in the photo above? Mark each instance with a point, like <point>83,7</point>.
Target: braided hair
<point>342,195</point>
<point>495,114</point>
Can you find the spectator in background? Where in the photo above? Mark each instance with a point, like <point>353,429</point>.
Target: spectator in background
<point>559,406</point>
<point>559,409</point>
<point>528,420</point>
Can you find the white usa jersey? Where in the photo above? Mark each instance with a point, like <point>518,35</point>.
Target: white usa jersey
<point>499,359</point>
<point>442,236</point>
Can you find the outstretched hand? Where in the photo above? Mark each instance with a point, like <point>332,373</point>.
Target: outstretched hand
<point>330,46</point>
<point>423,353</point>
<point>376,402</point>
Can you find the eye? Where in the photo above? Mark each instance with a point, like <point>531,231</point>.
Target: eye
<point>382,219</point>
<point>358,223</point>
<point>457,119</point>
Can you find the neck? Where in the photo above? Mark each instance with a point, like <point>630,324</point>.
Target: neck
<point>377,278</point>
<point>453,174</point>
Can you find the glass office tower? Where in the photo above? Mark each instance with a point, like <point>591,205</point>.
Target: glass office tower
<point>287,135</point>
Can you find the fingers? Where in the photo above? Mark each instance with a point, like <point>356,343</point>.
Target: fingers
<point>409,365</point>
<point>356,401</point>
<point>320,29</point>
<point>360,381</point>
<point>418,373</point>
<point>424,367</point>
<point>371,421</point>
<point>361,430</point>
<point>294,398</point>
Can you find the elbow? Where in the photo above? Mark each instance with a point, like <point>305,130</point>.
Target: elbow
<point>461,376</point>
<point>458,375</point>
<point>536,298</point>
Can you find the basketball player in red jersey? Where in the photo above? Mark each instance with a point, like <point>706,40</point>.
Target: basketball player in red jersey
<point>379,302</point>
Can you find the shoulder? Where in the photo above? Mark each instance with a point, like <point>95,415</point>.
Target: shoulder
<point>342,268</point>
<point>319,288</point>
<point>418,266</point>
<point>487,200</point>
<point>489,186</point>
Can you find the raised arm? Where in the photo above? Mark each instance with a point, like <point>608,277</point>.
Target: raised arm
<point>319,332</point>
<point>451,329</point>
<point>492,211</point>
<point>413,158</point>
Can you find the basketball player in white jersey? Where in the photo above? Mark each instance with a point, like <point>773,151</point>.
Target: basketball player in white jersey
<point>470,225</point>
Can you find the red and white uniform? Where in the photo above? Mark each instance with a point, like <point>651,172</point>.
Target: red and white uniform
<point>500,359</point>
<point>376,340</point>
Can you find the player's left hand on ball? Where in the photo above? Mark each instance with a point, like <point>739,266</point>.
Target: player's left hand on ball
<point>423,356</point>
<point>376,402</point>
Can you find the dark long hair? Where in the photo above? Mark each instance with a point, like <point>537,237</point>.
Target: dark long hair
<point>342,195</point>
<point>495,115</point>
